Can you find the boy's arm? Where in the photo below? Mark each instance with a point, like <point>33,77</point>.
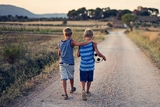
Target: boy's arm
<point>59,53</point>
<point>97,51</point>
<point>75,43</point>
<point>78,54</point>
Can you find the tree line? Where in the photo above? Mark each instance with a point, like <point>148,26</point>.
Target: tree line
<point>102,13</point>
<point>86,14</point>
<point>21,18</point>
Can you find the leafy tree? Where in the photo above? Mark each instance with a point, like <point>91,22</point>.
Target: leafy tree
<point>129,19</point>
<point>106,12</point>
<point>125,11</point>
<point>73,14</point>
<point>82,13</point>
<point>155,11</point>
<point>121,13</point>
<point>98,13</point>
<point>145,13</point>
<point>113,12</point>
<point>91,13</point>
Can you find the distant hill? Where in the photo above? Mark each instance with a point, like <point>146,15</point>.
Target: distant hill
<point>13,10</point>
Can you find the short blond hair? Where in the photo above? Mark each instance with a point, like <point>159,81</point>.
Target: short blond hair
<point>88,32</point>
<point>67,31</point>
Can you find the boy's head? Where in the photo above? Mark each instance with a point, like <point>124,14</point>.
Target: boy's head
<point>67,31</point>
<point>88,33</point>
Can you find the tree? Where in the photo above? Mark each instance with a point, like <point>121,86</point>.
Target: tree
<point>155,11</point>
<point>91,13</point>
<point>98,13</point>
<point>129,19</point>
<point>106,12</point>
<point>73,14</point>
<point>121,13</point>
<point>82,13</point>
<point>113,12</point>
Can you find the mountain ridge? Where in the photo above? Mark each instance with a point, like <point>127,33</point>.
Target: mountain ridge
<point>15,10</point>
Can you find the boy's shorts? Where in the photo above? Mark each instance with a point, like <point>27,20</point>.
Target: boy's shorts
<point>66,71</point>
<point>86,76</point>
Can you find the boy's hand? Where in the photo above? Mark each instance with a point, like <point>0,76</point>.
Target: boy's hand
<point>104,58</point>
<point>94,42</point>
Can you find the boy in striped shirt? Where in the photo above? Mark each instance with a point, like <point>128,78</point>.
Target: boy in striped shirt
<point>86,53</point>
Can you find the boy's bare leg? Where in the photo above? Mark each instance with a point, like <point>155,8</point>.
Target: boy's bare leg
<point>71,83</point>
<point>64,85</point>
<point>84,96</point>
<point>83,85</point>
<point>88,86</point>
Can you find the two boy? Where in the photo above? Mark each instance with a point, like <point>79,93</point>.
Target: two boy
<point>66,62</point>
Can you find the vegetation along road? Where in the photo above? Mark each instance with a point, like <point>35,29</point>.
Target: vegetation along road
<point>126,79</point>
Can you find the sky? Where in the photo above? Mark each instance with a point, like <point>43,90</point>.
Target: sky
<point>63,6</point>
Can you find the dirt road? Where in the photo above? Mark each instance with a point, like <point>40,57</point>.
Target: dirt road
<point>126,79</point>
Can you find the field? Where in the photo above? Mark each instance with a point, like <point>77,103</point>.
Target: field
<point>28,53</point>
<point>92,22</point>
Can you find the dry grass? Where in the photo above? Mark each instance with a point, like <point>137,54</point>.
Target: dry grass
<point>149,42</point>
<point>150,35</point>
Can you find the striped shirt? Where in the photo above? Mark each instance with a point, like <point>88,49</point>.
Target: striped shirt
<point>87,57</point>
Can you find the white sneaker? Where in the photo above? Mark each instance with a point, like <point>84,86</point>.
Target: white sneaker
<point>84,97</point>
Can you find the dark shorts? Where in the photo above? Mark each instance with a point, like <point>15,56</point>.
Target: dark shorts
<point>86,76</point>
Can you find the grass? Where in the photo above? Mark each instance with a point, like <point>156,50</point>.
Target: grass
<point>149,42</point>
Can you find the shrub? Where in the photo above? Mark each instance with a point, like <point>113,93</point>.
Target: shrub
<point>13,77</point>
<point>12,53</point>
<point>106,31</point>
<point>109,24</point>
<point>64,22</point>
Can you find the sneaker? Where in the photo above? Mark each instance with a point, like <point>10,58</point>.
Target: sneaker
<point>84,97</point>
<point>88,94</point>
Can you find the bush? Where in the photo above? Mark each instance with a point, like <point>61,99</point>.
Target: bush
<point>109,24</point>
<point>12,53</point>
<point>106,31</point>
<point>64,22</point>
<point>136,26</point>
<point>13,77</point>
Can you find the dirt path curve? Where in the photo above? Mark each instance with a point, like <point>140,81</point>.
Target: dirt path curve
<point>126,79</point>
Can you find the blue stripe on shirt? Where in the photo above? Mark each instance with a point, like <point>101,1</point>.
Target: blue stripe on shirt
<point>87,57</point>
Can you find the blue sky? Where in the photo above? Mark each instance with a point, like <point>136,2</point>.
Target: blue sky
<point>63,6</point>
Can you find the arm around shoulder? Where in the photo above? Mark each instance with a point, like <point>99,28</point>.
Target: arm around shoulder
<point>78,54</point>
<point>75,43</point>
